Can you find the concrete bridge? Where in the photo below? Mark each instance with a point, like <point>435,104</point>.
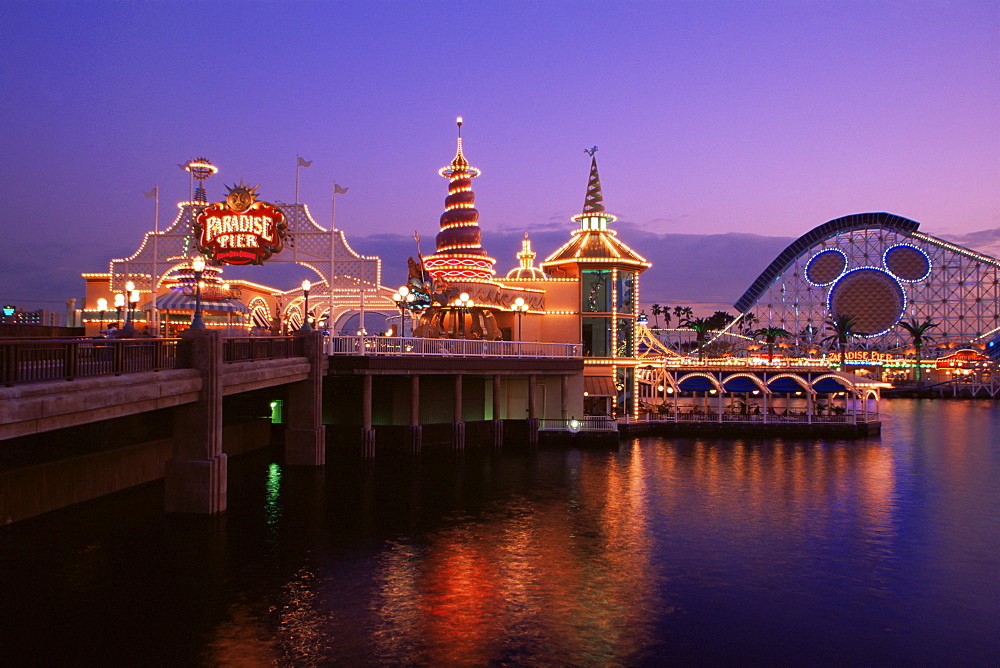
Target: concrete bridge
<point>375,390</point>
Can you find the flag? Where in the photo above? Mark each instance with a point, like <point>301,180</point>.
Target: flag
<point>303,163</point>
<point>152,193</point>
<point>184,168</point>
<point>337,190</point>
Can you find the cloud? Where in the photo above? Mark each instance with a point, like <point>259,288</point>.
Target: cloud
<point>985,241</point>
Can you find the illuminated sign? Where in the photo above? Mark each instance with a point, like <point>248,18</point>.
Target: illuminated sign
<point>240,230</point>
<point>863,357</point>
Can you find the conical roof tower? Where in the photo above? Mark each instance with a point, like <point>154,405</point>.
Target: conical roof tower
<point>459,255</point>
<point>594,244</point>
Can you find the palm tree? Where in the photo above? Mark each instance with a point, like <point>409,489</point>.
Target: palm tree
<point>656,310</point>
<point>842,327</point>
<point>771,335</point>
<point>747,322</point>
<point>682,313</point>
<point>918,332</point>
<point>701,327</point>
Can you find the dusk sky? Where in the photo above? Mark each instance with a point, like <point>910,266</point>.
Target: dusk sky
<point>765,118</point>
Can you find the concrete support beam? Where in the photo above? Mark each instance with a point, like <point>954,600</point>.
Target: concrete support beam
<point>564,397</point>
<point>367,431</point>
<point>497,427</point>
<point>414,433</point>
<point>458,426</point>
<point>532,411</point>
<point>196,476</point>
<point>305,436</point>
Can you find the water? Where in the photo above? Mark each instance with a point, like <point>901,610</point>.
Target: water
<point>879,551</point>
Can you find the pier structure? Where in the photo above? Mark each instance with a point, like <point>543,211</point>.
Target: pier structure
<point>82,418</point>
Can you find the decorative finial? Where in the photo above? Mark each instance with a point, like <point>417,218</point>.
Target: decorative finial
<point>590,151</point>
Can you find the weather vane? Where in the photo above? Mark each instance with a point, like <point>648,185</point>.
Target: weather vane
<point>590,151</point>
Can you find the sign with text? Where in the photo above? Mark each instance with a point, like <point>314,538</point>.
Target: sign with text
<point>240,230</point>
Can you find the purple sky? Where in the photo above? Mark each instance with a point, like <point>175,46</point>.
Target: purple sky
<point>767,118</point>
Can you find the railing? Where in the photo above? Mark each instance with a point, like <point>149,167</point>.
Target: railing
<point>33,361</point>
<point>591,423</point>
<point>247,348</point>
<point>389,345</point>
<point>752,418</point>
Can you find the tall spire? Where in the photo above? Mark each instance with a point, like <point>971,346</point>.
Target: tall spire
<point>594,217</point>
<point>459,255</point>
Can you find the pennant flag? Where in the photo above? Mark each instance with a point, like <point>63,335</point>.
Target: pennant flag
<point>152,193</point>
<point>304,163</point>
<point>337,190</point>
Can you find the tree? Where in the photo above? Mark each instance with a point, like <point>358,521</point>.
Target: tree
<point>656,310</point>
<point>682,313</point>
<point>842,327</point>
<point>770,336</point>
<point>918,332</point>
<point>720,320</point>
<point>747,322</point>
<point>701,327</point>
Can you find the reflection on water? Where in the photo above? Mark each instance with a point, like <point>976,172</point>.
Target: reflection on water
<point>664,550</point>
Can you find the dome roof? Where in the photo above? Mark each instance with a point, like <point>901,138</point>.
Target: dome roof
<point>527,273</point>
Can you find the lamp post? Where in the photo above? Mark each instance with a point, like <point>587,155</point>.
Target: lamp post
<point>119,305</point>
<point>520,308</point>
<point>198,265</point>
<point>400,298</point>
<point>102,306</point>
<point>129,288</point>
<point>133,299</point>
<point>305,314</point>
<point>464,304</point>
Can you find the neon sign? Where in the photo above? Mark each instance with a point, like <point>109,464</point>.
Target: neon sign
<point>240,230</point>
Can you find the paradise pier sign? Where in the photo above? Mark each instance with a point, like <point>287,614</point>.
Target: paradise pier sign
<point>240,230</point>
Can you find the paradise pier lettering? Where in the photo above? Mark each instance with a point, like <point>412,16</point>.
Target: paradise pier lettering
<point>220,226</point>
<point>240,237</point>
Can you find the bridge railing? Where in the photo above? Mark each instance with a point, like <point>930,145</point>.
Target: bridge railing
<point>752,418</point>
<point>247,348</point>
<point>590,423</point>
<point>38,360</point>
<point>389,345</point>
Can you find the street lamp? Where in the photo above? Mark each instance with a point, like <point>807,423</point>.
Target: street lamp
<point>198,264</point>
<point>102,306</point>
<point>305,314</point>
<point>400,299</point>
<point>133,299</point>
<point>520,308</point>
<point>119,305</point>
<point>129,288</point>
<point>464,304</point>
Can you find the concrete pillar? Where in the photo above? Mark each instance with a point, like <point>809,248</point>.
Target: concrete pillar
<point>367,431</point>
<point>497,427</point>
<point>532,412</point>
<point>195,479</point>
<point>564,397</point>
<point>305,435</point>
<point>458,426</point>
<point>414,435</point>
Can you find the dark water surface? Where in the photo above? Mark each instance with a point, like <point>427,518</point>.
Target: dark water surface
<point>685,551</point>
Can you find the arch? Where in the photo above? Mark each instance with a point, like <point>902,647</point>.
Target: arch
<point>698,387</point>
<point>754,380</point>
<point>260,313</point>
<point>819,384</point>
<point>797,380</point>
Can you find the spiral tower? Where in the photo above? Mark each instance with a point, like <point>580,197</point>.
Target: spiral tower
<point>459,255</point>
